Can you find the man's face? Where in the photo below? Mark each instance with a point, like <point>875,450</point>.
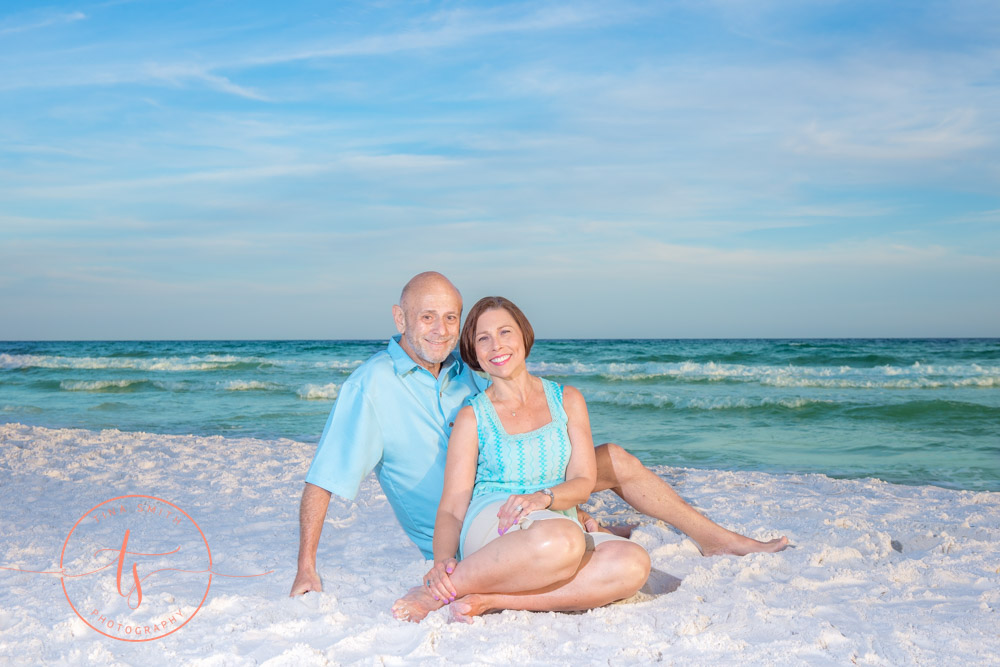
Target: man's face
<point>429,322</point>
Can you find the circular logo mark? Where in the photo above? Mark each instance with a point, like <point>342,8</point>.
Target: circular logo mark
<point>136,568</point>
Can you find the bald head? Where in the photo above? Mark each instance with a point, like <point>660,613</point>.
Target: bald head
<point>428,281</point>
<point>428,315</point>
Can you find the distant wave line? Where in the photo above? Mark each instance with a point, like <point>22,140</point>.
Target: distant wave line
<point>936,409</point>
<point>192,363</point>
<point>914,376</point>
<point>309,391</point>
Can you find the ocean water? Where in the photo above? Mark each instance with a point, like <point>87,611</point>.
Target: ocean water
<point>905,411</point>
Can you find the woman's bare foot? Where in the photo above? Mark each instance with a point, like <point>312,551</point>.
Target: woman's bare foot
<point>464,609</point>
<point>415,605</point>
<point>738,545</point>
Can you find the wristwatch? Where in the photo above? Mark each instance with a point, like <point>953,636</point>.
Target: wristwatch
<point>552,497</point>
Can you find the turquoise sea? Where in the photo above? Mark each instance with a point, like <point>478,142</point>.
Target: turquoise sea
<point>905,411</point>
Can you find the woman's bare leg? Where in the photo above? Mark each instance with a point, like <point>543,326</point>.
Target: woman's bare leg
<point>547,552</point>
<point>614,571</point>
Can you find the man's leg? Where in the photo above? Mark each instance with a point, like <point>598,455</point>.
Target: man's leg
<point>614,571</point>
<point>641,488</point>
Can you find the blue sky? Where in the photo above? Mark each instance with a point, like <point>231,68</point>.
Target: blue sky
<point>620,169</point>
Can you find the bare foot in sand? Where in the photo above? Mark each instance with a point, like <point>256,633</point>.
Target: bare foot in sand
<point>621,530</point>
<point>415,605</point>
<point>464,609</point>
<point>738,545</point>
<point>592,525</point>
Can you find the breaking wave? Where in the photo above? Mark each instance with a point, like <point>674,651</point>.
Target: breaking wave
<point>314,392</point>
<point>105,385</point>
<point>630,399</point>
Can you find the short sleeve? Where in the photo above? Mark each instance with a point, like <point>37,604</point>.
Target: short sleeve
<point>351,444</point>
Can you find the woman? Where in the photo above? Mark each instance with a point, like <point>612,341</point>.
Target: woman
<point>520,458</point>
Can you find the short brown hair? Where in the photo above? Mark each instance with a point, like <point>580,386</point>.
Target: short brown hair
<point>467,341</point>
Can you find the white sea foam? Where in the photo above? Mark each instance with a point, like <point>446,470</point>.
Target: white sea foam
<point>339,365</point>
<point>632,399</point>
<point>171,386</point>
<point>917,376</point>
<point>249,385</point>
<point>97,385</point>
<point>315,392</point>
<point>207,362</point>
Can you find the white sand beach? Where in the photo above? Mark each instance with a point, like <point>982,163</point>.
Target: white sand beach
<point>880,574</point>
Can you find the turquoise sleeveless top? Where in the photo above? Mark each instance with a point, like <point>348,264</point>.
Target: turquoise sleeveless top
<point>520,462</point>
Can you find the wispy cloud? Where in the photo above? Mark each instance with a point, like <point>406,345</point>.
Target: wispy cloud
<point>451,28</point>
<point>179,74</point>
<point>440,30</point>
<point>10,26</point>
<point>238,175</point>
<point>896,140</point>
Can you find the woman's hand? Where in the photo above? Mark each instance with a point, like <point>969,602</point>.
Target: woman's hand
<point>439,583</point>
<point>519,506</point>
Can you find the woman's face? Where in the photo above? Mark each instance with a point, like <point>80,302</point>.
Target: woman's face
<point>499,343</point>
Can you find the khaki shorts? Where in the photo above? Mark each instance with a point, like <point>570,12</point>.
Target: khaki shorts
<point>485,525</point>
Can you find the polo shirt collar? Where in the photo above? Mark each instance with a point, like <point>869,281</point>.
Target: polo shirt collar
<point>403,364</point>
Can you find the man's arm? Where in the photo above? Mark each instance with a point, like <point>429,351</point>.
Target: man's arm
<point>312,514</point>
<point>349,448</point>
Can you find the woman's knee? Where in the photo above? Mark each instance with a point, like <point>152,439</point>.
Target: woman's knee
<point>639,565</point>
<point>631,564</point>
<point>558,541</point>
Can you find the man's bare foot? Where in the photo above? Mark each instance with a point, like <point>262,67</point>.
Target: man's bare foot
<point>738,545</point>
<point>464,609</point>
<point>621,530</point>
<point>592,525</point>
<point>415,605</point>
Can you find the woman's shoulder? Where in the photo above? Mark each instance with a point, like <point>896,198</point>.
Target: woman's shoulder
<point>553,387</point>
<point>563,389</point>
<point>564,396</point>
<point>477,401</point>
<point>466,413</point>
<point>465,421</point>
<point>572,398</point>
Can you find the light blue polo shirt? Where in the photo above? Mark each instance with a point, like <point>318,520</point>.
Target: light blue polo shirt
<point>395,417</point>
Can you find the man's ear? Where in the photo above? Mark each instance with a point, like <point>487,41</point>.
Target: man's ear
<point>399,318</point>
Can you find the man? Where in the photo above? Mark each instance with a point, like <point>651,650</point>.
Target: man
<point>395,413</point>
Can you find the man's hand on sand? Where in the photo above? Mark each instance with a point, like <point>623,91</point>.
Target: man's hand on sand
<point>306,581</point>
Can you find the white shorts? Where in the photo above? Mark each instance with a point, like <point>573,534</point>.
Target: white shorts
<point>485,525</point>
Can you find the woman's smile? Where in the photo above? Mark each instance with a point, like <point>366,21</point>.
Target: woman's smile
<point>501,360</point>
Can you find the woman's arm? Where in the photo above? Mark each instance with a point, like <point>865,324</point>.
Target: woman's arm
<point>581,472</point>
<point>459,478</point>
